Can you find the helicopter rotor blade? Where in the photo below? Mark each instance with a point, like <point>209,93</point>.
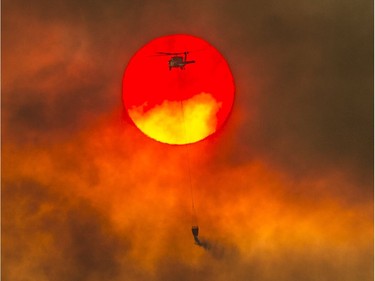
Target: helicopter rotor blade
<point>175,53</point>
<point>169,54</point>
<point>158,55</point>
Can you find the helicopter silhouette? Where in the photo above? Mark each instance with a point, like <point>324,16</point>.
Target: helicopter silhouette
<point>177,60</point>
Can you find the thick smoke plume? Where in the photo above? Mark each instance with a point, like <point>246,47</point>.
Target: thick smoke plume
<point>284,191</point>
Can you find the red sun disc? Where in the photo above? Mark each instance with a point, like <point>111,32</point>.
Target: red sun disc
<point>178,98</point>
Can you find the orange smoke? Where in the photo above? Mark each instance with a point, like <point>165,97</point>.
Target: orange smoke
<point>178,122</point>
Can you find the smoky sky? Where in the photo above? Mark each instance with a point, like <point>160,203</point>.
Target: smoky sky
<point>311,64</point>
<point>71,227</point>
<point>79,181</point>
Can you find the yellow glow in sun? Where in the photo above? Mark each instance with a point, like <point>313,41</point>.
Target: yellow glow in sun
<point>178,122</point>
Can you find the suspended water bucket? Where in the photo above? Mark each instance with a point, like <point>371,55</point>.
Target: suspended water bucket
<point>195,230</point>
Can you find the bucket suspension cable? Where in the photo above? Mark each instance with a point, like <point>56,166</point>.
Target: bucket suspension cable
<point>193,210</point>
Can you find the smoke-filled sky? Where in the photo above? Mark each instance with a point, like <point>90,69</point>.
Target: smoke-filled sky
<point>284,190</point>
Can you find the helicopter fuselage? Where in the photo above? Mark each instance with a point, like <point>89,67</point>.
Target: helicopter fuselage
<point>179,62</point>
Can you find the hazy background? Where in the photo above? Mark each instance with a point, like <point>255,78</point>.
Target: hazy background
<point>284,191</point>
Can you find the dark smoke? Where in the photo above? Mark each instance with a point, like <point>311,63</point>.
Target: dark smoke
<point>216,249</point>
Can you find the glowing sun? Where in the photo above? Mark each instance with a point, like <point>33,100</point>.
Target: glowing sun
<point>176,102</point>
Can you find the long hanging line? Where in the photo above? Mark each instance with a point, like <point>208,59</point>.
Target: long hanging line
<point>195,227</point>
<point>194,214</point>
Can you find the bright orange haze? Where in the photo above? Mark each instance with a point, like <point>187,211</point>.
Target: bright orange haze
<point>178,106</point>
